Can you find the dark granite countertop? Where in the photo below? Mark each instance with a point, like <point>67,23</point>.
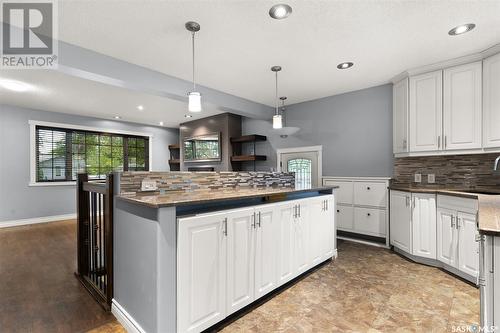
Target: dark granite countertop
<point>488,203</point>
<point>184,198</point>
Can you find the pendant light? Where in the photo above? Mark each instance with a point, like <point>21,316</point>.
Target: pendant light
<point>194,96</point>
<point>277,119</point>
<point>285,131</point>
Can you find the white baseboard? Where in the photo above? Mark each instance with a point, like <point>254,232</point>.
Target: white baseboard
<point>125,319</point>
<point>35,220</point>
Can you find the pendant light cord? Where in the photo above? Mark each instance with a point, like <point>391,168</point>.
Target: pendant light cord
<point>194,84</point>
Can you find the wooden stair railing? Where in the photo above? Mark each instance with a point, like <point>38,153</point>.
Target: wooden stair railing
<point>95,238</point>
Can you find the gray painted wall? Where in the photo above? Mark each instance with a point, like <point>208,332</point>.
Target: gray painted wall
<point>20,201</point>
<point>354,128</point>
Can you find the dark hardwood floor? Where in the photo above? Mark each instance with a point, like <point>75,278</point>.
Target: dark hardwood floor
<point>38,289</point>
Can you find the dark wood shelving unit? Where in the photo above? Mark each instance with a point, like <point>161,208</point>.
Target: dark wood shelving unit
<point>238,158</point>
<point>175,157</point>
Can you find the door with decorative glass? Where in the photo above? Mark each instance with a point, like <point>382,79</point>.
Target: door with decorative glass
<point>305,166</point>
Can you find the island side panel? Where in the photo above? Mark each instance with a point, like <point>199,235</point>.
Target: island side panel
<point>167,269</point>
<point>135,258</point>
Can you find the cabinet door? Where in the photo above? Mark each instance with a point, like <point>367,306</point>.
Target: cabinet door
<point>240,259</point>
<point>285,240</point>
<point>400,116</point>
<point>462,100</point>
<point>424,225</point>
<point>345,218</point>
<point>496,281</point>
<point>400,219</point>
<point>491,102</point>
<point>446,237</point>
<point>370,221</point>
<point>301,240</point>
<point>317,218</point>
<point>344,192</point>
<point>468,248</point>
<point>201,272</point>
<point>426,112</point>
<point>266,249</point>
<point>329,228</point>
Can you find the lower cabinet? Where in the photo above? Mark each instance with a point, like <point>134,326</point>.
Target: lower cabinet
<point>400,211</point>
<point>496,281</point>
<point>227,260</point>
<point>423,220</point>
<point>456,234</point>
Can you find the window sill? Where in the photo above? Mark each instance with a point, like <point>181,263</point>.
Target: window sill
<point>52,184</point>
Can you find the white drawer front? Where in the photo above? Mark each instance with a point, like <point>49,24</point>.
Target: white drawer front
<point>344,192</point>
<point>370,221</point>
<point>370,194</point>
<point>345,217</point>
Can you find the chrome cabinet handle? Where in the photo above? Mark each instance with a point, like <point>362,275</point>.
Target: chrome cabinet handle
<point>253,220</point>
<point>224,230</point>
<point>453,221</point>
<point>260,216</point>
<point>445,141</point>
<point>414,202</point>
<point>300,213</point>
<point>404,143</point>
<point>458,222</point>
<point>326,202</point>
<point>439,141</point>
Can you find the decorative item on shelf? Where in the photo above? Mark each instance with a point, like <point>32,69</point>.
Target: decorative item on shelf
<point>250,154</point>
<point>285,131</point>
<point>175,157</point>
<point>194,96</point>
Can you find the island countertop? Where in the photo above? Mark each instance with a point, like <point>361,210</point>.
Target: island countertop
<point>184,198</point>
<point>488,204</point>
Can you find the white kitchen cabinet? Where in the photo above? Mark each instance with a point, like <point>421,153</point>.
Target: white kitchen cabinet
<point>400,211</point>
<point>491,102</point>
<point>370,221</point>
<point>424,225</point>
<point>372,194</point>
<point>285,240</point>
<point>426,111</point>
<point>400,116</point>
<point>345,217</point>
<point>468,247</point>
<point>201,271</point>
<point>321,229</point>
<point>343,192</point>
<point>446,237</point>
<point>496,281</point>
<point>301,239</point>
<point>456,234</point>
<point>462,106</point>
<point>266,250</point>
<point>240,259</point>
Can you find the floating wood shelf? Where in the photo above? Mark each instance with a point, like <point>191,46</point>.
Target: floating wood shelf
<point>249,138</point>
<point>245,158</point>
<point>176,146</point>
<point>174,161</point>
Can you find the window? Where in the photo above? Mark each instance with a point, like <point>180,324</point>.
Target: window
<point>302,169</point>
<point>62,153</point>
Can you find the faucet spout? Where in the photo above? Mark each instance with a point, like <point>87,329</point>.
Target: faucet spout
<point>497,160</point>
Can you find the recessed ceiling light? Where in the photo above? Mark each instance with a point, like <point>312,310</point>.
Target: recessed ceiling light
<point>461,29</point>
<point>140,107</point>
<point>16,86</point>
<point>280,11</point>
<point>345,65</point>
<point>188,116</point>
<point>161,123</point>
<point>117,117</point>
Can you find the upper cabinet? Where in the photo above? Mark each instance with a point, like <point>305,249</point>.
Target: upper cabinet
<point>453,110</point>
<point>462,107</point>
<point>400,116</point>
<point>491,105</point>
<point>426,111</point>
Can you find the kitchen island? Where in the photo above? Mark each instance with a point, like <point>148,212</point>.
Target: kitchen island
<point>186,259</point>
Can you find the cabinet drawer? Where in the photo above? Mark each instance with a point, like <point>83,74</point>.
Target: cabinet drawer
<point>343,192</point>
<point>370,194</point>
<point>345,217</point>
<point>370,221</point>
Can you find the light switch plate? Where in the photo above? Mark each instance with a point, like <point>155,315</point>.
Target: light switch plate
<point>431,178</point>
<point>418,178</point>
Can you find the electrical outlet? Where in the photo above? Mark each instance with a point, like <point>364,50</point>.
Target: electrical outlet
<point>431,178</point>
<point>418,178</point>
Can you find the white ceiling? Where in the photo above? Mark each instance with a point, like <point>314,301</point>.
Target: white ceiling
<point>239,42</point>
<point>53,91</point>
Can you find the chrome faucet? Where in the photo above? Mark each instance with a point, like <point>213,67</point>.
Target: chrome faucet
<point>495,167</point>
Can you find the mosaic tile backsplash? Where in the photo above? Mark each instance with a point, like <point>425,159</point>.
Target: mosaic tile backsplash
<point>130,182</point>
<point>473,171</point>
